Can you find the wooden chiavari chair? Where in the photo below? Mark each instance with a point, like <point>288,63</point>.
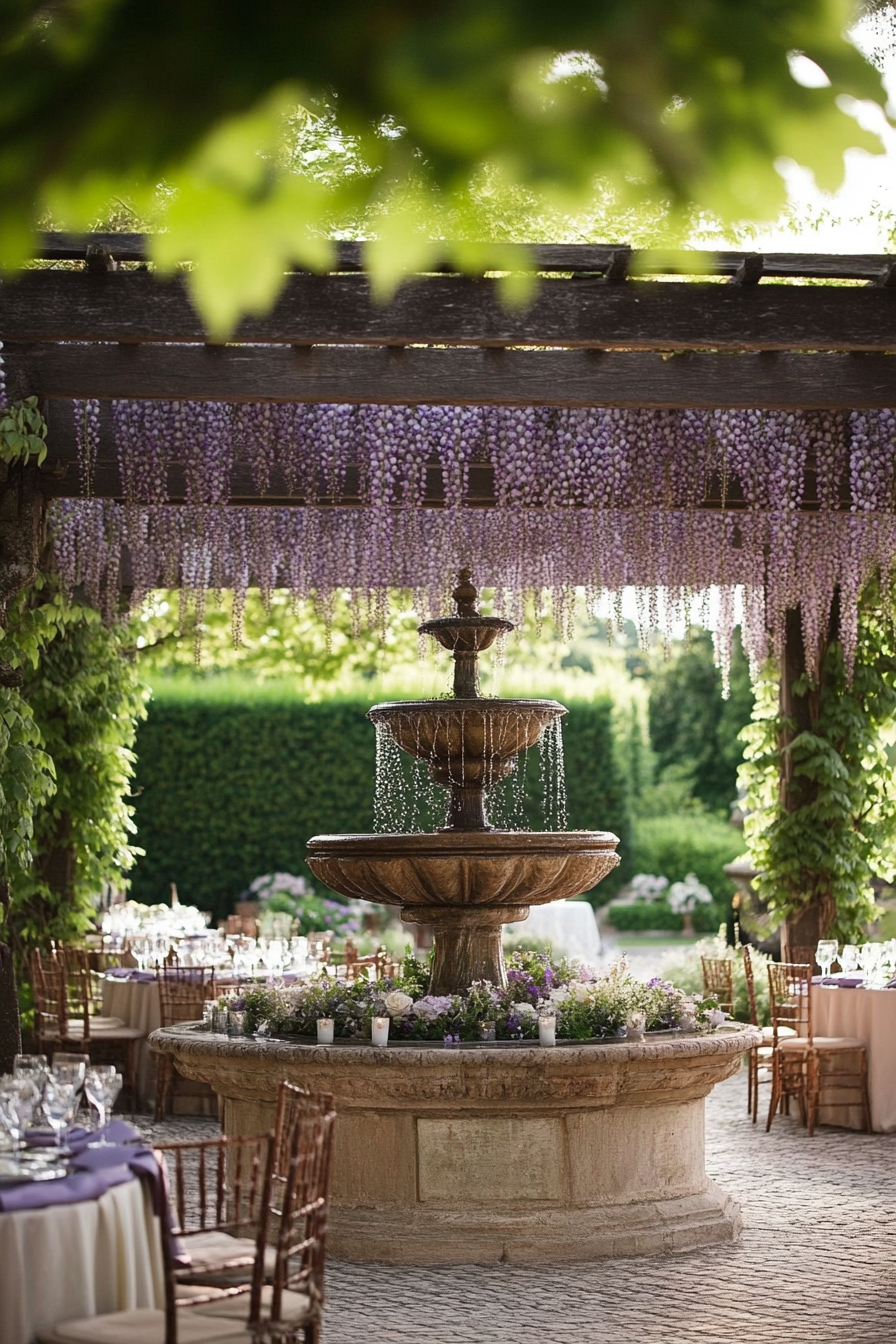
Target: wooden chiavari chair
<point>63,1020</point>
<point>218,1189</point>
<point>718,981</point>
<point>798,1059</point>
<point>183,993</point>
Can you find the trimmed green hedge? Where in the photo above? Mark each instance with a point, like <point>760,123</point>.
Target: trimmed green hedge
<point>644,915</point>
<point>675,846</point>
<point>226,791</point>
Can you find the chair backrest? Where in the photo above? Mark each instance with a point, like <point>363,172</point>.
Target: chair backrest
<point>751,986</point>
<point>790,997</point>
<point>50,1015</point>
<point>183,994</point>
<point>215,1185</point>
<point>82,978</point>
<point>718,980</point>
<point>299,1200</point>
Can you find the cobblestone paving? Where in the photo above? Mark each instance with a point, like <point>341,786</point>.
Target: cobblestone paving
<point>816,1262</point>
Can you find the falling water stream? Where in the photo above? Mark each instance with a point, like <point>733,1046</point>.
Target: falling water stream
<point>408,800</point>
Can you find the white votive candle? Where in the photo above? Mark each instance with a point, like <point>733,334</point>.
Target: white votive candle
<point>325,1027</point>
<point>547,1031</point>
<point>379,1031</point>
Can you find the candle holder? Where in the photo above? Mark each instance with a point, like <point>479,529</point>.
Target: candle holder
<point>325,1029</point>
<point>487,1031</point>
<point>547,1030</point>
<point>236,1023</point>
<point>379,1031</point>
<point>220,1020</point>
<point>636,1024</point>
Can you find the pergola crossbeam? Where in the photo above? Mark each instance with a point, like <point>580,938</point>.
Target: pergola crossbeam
<point>594,311</point>
<point>453,376</point>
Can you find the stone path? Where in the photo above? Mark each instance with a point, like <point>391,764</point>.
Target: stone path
<point>816,1262</point>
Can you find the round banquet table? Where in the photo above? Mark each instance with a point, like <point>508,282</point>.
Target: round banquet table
<point>136,1002</point>
<point>81,1259</point>
<point>869,1014</point>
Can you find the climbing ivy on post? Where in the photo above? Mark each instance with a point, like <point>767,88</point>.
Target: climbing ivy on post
<point>86,696</point>
<point>822,818</point>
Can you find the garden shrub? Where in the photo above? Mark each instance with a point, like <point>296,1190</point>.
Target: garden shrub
<point>653,915</point>
<point>676,846</point>
<point>228,790</point>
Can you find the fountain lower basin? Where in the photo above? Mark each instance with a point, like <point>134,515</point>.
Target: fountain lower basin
<point>488,1154</point>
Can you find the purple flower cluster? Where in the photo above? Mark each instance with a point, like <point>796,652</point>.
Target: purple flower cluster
<point>595,498</point>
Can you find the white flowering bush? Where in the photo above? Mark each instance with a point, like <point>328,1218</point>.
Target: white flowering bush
<point>685,896</point>
<point>647,887</point>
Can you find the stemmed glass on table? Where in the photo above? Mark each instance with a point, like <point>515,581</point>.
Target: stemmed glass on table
<point>102,1085</point>
<point>849,959</point>
<point>826,954</point>
<point>18,1099</point>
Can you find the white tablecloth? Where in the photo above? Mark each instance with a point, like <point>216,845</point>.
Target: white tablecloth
<point>569,926</point>
<point>78,1260</point>
<point>869,1014</point>
<point>137,1004</point>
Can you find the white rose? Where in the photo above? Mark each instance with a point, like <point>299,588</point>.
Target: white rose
<point>579,991</point>
<point>397,1003</point>
<point>559,995</point>
<point>715,1017</point>
<point>524,1010</point>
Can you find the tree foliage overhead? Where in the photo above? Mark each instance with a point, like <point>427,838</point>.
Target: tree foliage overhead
<point>695,102</point>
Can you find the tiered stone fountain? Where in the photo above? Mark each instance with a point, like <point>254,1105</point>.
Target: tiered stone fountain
<point>488,1152</point>
<point>468,879</point>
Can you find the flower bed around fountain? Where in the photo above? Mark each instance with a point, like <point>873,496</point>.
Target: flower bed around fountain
<point>586,1007</point>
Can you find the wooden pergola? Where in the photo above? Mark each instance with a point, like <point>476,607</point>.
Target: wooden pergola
<point>607,327</point>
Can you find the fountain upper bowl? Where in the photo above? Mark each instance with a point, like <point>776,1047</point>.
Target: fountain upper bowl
<point>466,729</point>
<point>464,868</point>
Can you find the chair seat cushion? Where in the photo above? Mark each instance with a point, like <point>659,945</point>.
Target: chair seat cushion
<point>768,1034</point>
<point>294,1306</point>
<point>144,1326</point>
<point>105,1027</point>
<point>211,1254</point>
<point>828,1044</point>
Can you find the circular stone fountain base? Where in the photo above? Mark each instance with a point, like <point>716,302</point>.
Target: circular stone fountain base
<point>493,1153</point>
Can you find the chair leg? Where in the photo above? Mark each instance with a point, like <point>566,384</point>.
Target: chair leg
<point>866,1101</point>
<point>776,1093</point>
<point>812,1084</point>
<point>163,1086</point>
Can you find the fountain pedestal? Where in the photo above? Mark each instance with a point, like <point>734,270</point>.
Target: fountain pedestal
<point>490,1153</point>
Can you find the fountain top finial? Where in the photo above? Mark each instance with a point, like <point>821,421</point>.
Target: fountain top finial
<point>466,595</point>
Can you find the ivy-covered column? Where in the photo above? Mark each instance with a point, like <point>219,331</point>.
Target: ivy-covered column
<point>800,704</point>
<point>21,530</point>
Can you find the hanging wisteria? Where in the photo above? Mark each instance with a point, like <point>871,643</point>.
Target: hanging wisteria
<point>776,509</point>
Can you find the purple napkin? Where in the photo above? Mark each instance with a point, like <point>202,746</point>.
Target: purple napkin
<point>70,1190</point>
<point>840,981</point>
<point>41,1138</point>
<point>131,973</point>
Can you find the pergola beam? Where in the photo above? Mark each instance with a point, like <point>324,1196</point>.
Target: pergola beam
<point>452,376</point>
<point>585,312</point>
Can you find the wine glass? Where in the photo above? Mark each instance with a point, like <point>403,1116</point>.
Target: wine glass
<point>18,1098</point>
<point>34,1067</point>
<point>102,1085</point>
<point>58,1106</point>
<point>826,954</point>
<point>849,959</point>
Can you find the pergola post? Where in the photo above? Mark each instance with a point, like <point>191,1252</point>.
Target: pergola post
<point>802,930</point>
